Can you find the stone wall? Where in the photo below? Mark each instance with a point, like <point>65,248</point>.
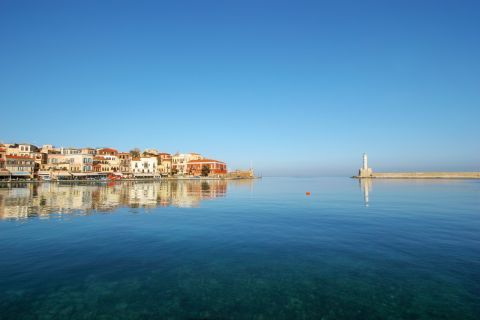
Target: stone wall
<point>427,175</point>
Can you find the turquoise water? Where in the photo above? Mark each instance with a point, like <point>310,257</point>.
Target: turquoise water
<point>396,249</point>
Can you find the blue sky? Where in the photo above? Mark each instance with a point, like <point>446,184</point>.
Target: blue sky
<point>296,87</point>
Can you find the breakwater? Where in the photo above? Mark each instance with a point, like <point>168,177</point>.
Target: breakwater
<point>421,175</point>
<point>365,172</point>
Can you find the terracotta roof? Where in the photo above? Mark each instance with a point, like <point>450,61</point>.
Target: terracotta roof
<point>108,150</point>
<point>19,157</point>
<point>204,161</point>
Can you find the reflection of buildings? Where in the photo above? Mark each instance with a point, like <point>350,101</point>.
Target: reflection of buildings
<point>366,186</point>
<point>23,200</point>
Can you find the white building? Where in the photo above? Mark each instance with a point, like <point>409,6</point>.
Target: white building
<point>71,163</point>
<point>21,149</point>
<point>70,150</point>
<point>144,166</point>
<point>180,160</point>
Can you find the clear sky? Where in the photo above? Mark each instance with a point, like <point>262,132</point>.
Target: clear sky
<point>296,87</point>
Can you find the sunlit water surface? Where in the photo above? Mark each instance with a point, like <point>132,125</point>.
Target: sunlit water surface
<point>397,249</point>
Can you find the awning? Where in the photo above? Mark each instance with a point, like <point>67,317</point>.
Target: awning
<point>20,173</point>
<point>62,174</point>
<point>143,175</point>
<point>84,174</point>
<point>4,173</point>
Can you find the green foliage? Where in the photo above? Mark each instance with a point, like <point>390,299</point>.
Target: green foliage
<point>205,171</point>
<point>135,153</point>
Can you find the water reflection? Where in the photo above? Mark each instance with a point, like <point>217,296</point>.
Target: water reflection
<point>23,200</point>
<point>366,186</point>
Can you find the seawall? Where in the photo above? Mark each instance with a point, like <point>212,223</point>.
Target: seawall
<point>422,175</point>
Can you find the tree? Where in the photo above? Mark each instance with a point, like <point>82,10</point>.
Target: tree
<point>135,153</point>
<point>174,171</point>
<point>205,170</point>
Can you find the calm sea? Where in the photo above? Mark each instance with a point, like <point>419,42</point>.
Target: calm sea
<point>391,249</point>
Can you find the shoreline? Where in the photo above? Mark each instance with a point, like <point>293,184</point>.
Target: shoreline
<point>128,180</point>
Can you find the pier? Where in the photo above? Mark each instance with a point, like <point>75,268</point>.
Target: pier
<point>367,173</point>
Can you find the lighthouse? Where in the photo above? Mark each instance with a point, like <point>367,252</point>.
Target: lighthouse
<point>365,171</point>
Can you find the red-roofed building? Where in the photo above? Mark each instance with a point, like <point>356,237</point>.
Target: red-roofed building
<point>107,152</point>
<point>125,160</point>
<point>20,166</point>
<point>180,160</point>
<point>215,167</point>
<point>106,163</point>
<point>164,167</point>
<point>3,154</point>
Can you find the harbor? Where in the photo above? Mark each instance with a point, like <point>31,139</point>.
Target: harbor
<point>28,162</point>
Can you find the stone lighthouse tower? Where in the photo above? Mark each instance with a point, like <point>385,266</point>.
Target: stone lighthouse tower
<point>365,161</point>
<point>365,171</point>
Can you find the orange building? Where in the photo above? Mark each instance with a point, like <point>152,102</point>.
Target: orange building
<point>107,152</point>
<point>3,157</point>
<point>194,167</point>
<point>20,166</point>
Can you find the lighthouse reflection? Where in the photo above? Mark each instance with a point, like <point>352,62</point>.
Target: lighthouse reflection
<point>366,186</point>
<point>24,200</point>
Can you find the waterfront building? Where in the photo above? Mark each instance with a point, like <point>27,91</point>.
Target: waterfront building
<point>20,166</point>
<point>90,151</point>
<point>106,164</point>
<point>4,174</point>
<point>107,161</point>
<point>144,167</point>
<point>80,163</point>
<point>21,149</point>
<point>48,148</point>
<point>125,163</point>
<point>164,164</point>
<point>50,162</point>
<point>57,162</point>
<point>39,157</point>
<point>57,167</point>
<point>70,150</point>
<point>215,167</point>
<point>107,152</point>
<point>3,154</point>
<point>25,150</point>
<point>62,166</point>
<point>180,160</point>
